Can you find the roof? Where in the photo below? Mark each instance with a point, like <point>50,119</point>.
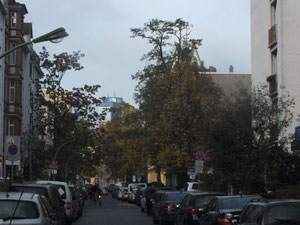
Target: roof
<point>16,196</point>
<point>51,182</point>
<point>208,193</point>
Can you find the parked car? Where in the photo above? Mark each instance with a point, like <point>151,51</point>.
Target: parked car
<point>125,194</point>
<point>192,207</point>
<point>192,186</point>
<point>132,195</point>
<point>23,209</point>
<point>120,193</point>
<point>139,195</point>
<point>283,212</point>
<point>77,205</point>
<point>65,195</point>
<point>225,209</point>
<point>115,192</point>
<point>104,191</point>
<point>143,201</point>
<point>51,192</point>
<point>164,208</point>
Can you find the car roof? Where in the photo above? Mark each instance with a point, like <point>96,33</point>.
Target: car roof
<point>51,182</point>
<point>16,196</point>
<point>275,201</point>
<point>33,185</point>
<point>239,196</point>
<point>207,193</point>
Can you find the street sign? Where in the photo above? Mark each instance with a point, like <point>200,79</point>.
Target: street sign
<point>191,173</point>
<point>208,156</point>
<point>199,166</point>
<point>133,178</point>
<point>12,146</point>
<point>12,150</point>
<point>53,165</point>
<point>199,155</point>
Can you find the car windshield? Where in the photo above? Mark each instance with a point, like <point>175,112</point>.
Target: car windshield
<point>175,196</point>
<point>34,190</point>
<point>281,214</point>
<point>201,200</point>
<point>25,210</point>
<point>234,203</point>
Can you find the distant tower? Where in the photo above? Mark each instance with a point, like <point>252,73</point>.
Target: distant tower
<point>230,69</point>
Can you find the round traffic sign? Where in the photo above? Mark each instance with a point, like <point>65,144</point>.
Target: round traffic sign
<point>199,155</point>
<point>12,149</point>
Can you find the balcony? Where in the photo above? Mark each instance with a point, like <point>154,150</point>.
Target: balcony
<point>272,85</point>
<point>273,36</point>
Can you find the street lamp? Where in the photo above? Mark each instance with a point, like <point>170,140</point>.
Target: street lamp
<point>52,36</point>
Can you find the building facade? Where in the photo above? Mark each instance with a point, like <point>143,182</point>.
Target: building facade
<point>107,105</point>
<point>20,73</point>
<point>2,50</point>
<point>275,32</point>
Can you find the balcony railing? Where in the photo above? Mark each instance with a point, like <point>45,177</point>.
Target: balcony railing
<point>273,36</point>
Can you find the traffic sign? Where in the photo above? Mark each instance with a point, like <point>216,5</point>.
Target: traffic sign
<point>208,156</point>
<point>53,165</point>
<point>199,155</point>
<point>199,166</point>
<point>12,150</point>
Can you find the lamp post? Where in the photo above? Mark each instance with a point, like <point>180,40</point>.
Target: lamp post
<point>52,36</point>
<point>66,166</point>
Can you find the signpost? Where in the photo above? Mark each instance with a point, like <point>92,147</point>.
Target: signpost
<point>53,167</point>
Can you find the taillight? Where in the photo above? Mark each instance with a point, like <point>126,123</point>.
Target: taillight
<point>168,207</point>
<point>223,220</point>
<point>193,212</point>
<point>68,205</point>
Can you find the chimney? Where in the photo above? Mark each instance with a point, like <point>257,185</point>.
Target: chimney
<point>230,69</point>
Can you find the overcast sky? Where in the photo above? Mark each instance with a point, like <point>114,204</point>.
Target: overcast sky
<point>101,30</point>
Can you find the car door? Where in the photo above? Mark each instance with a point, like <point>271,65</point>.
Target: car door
<point>183,210</point>
<point>210,213</point>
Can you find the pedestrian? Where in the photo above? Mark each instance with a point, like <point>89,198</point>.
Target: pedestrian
<point>149,194</point>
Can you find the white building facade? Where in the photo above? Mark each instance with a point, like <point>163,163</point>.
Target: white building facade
<point>275,48</point>
<point>107,105</point>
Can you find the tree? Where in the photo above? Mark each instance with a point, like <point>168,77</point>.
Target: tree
<point>68,118</point>
<point>249,142</point>
<point>123,144</point>
<point>175,97</point>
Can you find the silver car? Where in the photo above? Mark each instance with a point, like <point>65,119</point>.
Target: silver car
<point>23,208</point>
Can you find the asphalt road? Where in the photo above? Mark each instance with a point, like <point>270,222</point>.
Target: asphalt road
<point>112,212</point>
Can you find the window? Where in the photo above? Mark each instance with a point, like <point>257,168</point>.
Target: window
<point>273,13</point>
<point>13,55</point>
<point>12,91</point>
<point>13,19</point>
<point>274,62</point>
<point>11,127</point>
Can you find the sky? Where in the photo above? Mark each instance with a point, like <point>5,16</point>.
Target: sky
<point>101,30</point>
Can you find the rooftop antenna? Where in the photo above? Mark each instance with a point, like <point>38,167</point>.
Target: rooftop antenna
<point>114,94</point>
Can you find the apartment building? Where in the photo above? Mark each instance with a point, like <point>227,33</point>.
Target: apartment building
<point>2,50</point>
<point>107,105</point>
<point>275,49</point>
<point>18,100</point>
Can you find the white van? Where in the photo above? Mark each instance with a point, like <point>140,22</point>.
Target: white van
<point>66,196</point>
<point>132,186</point>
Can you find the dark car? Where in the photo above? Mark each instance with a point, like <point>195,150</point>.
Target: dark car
<point>225,210</point>
<point>76,202</point>
<point>274,212</point>
<point>165,204</point>
<point>192,207</point>
<point>139,195</point>
<point>51,192</point>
